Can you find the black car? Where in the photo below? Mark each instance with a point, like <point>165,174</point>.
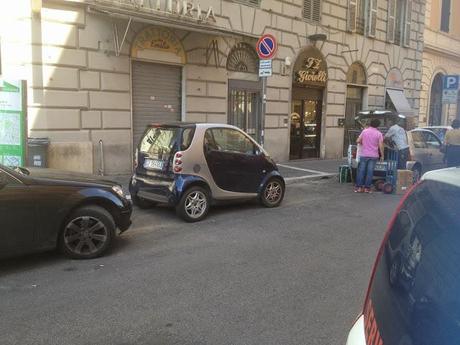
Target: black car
<point>41,209</point>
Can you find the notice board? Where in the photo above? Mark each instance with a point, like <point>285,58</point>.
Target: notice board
<point>13,123</point>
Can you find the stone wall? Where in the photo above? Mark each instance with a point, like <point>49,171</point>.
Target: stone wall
<point>79,91</point>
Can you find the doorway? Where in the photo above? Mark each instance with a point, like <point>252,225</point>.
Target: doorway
<point>306,117</point>
<point>354,104</point>
<point>244,106</point>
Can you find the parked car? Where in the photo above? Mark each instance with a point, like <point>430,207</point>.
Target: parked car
<point>41,209</point>
<point>424,146</point>
<point>413,297</point>
<point>425,152</point>
<point>191,166</point>
<point>440,131</point>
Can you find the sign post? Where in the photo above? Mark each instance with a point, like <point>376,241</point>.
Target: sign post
<point>266,49</point>
<point>450,85</point>
<point>13,126</point>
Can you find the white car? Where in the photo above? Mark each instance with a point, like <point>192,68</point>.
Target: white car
<point>413,298</point>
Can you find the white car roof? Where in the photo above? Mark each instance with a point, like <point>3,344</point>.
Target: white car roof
<point>449,175</point>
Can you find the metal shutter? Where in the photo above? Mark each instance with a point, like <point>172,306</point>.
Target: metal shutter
<point>156,95</point>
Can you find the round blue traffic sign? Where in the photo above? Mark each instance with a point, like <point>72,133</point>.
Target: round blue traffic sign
<point>266,46</point>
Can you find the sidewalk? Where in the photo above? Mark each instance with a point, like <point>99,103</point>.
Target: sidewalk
<point>298,170</point>
<point>292,171</point>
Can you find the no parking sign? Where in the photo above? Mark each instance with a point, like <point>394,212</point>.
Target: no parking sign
<point>266,47</point>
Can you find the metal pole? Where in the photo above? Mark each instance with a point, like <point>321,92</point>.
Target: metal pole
<point>264,104</point>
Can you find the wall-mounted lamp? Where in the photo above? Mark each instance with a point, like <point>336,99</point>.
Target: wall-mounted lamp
<point>317,37</point>
<point>287,61</point>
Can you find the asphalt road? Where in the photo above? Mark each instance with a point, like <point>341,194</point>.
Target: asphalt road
<point>246,275</point>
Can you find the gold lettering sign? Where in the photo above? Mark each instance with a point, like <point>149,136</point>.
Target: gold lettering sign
<point>154,38</point>
<point>312,71</point>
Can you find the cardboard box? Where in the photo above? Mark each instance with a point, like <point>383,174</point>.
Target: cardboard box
<point>404,182</point>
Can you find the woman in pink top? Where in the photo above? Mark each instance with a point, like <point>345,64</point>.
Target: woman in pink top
<point>371,141</point>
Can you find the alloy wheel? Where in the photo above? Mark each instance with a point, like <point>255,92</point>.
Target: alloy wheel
<point>195,204</point>
<point>85,235</point>
<point>273,192</point>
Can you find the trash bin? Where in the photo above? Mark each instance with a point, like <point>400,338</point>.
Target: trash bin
<point>37,152</point>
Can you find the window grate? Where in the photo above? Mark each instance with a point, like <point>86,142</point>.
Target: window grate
<point>312,10</point>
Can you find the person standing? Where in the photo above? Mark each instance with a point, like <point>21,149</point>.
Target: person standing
<point>398,136</point>
<point>371,141</point>
<point>452,142</point>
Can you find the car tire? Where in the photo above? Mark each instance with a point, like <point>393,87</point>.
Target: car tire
<point>194,204</point>
<point>272,193</point>
<point>142,203</point>
<point>87,233</point>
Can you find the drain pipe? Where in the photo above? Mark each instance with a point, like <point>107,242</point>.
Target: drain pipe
<point>101,155</point>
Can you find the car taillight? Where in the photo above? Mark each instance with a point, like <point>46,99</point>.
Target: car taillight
<point>177,166</point>
<point>136,159</point>
<point>370,325</point>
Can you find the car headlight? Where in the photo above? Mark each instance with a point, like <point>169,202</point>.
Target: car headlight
<point>117,189</point>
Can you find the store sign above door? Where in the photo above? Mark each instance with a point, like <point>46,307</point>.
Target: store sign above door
<point>311,71</point>
<point>181,8</point>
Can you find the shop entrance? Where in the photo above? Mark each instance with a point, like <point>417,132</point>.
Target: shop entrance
<point>308,83</point>
<point>306,119</point>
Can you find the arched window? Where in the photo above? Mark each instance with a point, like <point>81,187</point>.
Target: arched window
<point>243,58</point>
<point>436,101</point>
<point>356,80</point>
<point>356,74</point>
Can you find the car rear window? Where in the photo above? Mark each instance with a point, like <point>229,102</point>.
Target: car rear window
<point>414,297</point>
<point>159,141</point>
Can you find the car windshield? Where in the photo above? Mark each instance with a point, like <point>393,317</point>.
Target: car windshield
<point>414,296</point>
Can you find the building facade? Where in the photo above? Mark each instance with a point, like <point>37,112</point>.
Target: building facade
<point>441,56</point>
<point>98,71</point>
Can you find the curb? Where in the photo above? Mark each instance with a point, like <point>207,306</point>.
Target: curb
<point>308,178</point>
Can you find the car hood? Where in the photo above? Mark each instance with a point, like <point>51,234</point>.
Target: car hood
<point>52,176</point>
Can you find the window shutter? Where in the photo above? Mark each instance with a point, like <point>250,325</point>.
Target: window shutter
<point>372,18</point>
<point>391,20</point>
<point>352,15</point>
<point>407,24</point>
<point>316,15</point>
<point>312,10</point>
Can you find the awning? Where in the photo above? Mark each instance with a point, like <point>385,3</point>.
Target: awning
<point>400,102</point>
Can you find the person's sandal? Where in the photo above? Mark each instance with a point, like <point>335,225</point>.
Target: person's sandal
<point>358,189</point>
<point>367,190</point>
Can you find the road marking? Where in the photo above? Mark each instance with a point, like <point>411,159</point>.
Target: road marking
<point>299,178</point>
<point>302,169</point>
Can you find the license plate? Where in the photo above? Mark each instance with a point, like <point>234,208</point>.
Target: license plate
<point>153,164</point>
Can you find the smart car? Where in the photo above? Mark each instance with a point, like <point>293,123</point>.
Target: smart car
<point>193,165</point>
<point>413,298</point>
<point>41,209</point>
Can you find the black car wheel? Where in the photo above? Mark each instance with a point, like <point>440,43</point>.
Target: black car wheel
<point>194,204</point>
<point>88,233</point>
<point>273,193</point>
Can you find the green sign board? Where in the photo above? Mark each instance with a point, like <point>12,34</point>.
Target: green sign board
<point>12,123</point>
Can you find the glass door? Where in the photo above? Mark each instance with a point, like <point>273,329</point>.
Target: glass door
<point>305,132</point>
